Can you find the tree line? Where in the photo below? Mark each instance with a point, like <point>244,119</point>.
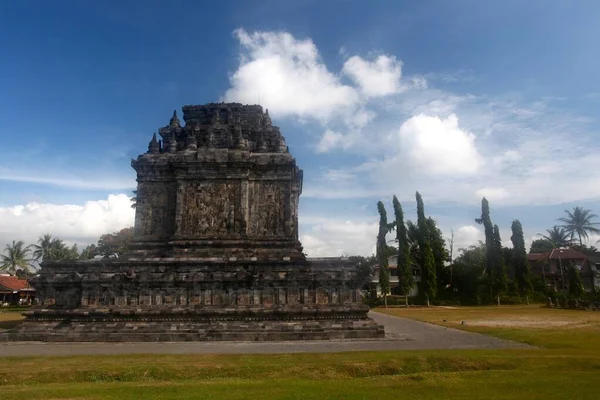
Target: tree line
<point>480,274</point>
<point>20,259</point>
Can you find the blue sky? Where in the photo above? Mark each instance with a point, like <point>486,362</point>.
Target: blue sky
<point>455,99</point>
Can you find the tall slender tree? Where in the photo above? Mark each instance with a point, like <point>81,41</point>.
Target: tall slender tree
<point>580,222</point>
<point>405,277</point>
<point>522,269</point>
<point>426,259</point>
<point>499,280</point>
<point>488,228</point>
<point>16,256</point>
<point>384,275</point>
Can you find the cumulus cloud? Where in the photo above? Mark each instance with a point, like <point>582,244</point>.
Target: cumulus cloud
<point>465,236</point>
<point>439,146</point>
<point>330,237</point>
<point>82,224</point>
<point>380,77</point>
<point>289,77</point>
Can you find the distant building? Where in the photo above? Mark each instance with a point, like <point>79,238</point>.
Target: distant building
<point>14,290</point>
<point>552,267</point>
<point>374,286</point>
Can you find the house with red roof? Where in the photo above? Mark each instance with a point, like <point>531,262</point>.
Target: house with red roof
<point>552,267</point>
<point>14,290</point>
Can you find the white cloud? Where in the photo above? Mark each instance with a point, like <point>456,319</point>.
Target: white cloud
<point>291,80</point>
<point>439,146</point>
<point>82,224</point>
<point>329,237</point>
<point>329,140</point>
<point>493,194</point>
<point>380,77</point>
<point>288,76</point>
<point>465,236</point>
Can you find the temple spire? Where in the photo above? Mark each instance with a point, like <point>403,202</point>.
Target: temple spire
<point>153,146</point>
<point>174,121</point>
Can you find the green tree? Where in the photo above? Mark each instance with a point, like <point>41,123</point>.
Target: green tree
<point>133,199</point>
<point>488,228</point>
<point>60,251</point>
<point>440,254</point>
<point>521,265</point>
<point>499,282</point>
<point>43,248</point>
<point>405,277</point>
<point>585,249</point>
<point>468,269</point>
<point>73,253</point>
<point>541,246</point>
<point>580,222</point>
<point>575,284</point>
<point>115,244</point>
<point>412,234</point>
<point>473,255</point>
<point>558,237</point>
<point>384,275</point>
<point>88,252</point>
<point>426,259</point>
<point>16,256</point>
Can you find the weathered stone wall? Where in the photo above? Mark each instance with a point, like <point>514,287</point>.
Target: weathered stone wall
<point>201,284</point>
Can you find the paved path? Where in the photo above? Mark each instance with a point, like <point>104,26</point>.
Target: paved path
<point>401,334</point>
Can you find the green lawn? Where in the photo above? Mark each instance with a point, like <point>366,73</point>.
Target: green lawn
<point>574,330</point>
<point>567,367</point>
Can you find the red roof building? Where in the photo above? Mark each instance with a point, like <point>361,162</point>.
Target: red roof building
<point>14,290</point>
<point>552,267</point>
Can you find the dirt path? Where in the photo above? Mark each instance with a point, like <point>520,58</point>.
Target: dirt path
<point>401,334</point>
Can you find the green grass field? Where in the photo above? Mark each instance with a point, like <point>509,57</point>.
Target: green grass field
<point>567,366</point>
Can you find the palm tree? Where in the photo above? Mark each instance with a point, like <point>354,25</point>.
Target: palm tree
<point>134,199</point>
<point>16,256</point>
<point>579,221</point>
<point>49,248</point>
<point>43,248</point>
<point>559,237</point>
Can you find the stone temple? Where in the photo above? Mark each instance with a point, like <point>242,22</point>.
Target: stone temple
<point>216,254</point>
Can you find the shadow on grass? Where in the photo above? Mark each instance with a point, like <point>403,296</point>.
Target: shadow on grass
<point>9,324</point>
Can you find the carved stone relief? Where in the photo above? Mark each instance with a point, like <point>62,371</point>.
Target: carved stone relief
<point>209,209</point>
<point>269,207</point>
